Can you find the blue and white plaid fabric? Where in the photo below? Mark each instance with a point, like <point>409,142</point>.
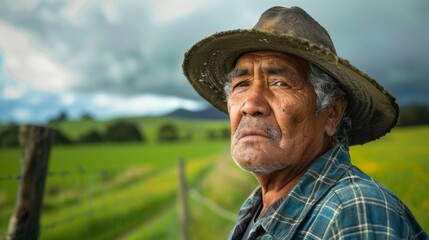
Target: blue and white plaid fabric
<point>333,200</point>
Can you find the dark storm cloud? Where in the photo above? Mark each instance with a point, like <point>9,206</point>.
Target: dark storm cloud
<point>133,53</point>
<point>387,40</point>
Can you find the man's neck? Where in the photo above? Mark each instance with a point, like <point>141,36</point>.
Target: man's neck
<point>279,184</point>
<point>276,186</point>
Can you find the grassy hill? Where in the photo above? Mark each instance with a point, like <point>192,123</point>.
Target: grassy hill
<point>129,190</point>
<point>149,126</point>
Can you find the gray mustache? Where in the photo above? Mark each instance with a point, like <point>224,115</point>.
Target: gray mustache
<point>260,126</point>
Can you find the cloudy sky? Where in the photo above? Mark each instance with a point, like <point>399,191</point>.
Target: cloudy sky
<point>114,58</point>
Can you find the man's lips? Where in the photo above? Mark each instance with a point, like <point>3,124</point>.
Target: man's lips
<point>252,132</point>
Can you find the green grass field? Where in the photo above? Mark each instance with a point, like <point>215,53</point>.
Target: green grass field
<point>106,182</point>
<point>129,191</point>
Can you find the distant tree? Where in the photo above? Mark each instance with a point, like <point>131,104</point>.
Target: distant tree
<point>168,133</point>
<point>9,136</point>
<point>60,138</point>
<point>211,134</point>
<point>416,114</point>
<point>87,116</point>
<point>62,116</point>
<point>225,133</point>
<point>123,132</point>
<point>91,136</point>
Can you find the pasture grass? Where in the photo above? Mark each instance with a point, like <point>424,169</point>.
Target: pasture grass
<point>129,183</point>
<point>105,206</point>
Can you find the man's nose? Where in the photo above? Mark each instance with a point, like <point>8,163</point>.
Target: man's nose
<point>255,103</point>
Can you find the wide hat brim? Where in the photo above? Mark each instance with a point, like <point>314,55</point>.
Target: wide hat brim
<point>373,111</point>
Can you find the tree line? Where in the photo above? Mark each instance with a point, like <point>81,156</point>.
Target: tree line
<point>121,131</point>
<point>124,131</point>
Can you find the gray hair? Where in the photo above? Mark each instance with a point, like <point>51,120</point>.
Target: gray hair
<point>327,92</point>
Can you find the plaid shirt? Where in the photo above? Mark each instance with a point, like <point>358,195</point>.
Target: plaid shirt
<point>333,200</point>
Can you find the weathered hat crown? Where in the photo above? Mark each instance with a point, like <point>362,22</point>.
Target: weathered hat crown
<point>296,21</point>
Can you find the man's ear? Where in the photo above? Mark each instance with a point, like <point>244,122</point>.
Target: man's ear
<point>334,115</point>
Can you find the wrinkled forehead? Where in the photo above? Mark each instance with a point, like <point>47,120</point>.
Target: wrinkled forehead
<point>273,58</point>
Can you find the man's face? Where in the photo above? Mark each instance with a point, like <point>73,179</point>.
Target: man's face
<point>272,110</point>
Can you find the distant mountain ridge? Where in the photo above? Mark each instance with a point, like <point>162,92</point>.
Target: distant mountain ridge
<point>209,113</point>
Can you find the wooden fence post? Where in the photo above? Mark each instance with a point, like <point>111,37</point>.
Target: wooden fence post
<point>36,145</point>
<point>183,199</point>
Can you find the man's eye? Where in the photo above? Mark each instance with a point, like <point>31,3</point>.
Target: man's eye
<point>281,84</point>
<point>241,84</point>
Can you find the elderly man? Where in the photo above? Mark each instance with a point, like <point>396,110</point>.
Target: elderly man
<point>295,107</point>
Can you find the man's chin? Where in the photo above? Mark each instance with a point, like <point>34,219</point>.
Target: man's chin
<point>259,170</point>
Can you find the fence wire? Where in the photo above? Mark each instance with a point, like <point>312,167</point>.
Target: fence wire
<point>80,171</point>
<point>213,206</point>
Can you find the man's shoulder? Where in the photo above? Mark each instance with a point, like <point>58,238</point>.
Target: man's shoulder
<point>356,186</point>
<point>357,200</point>
<point>355,194</point>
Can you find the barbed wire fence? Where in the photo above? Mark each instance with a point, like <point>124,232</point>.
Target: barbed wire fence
<point>41,229</point>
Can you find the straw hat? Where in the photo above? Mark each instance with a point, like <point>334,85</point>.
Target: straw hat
<point>374,112</point>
